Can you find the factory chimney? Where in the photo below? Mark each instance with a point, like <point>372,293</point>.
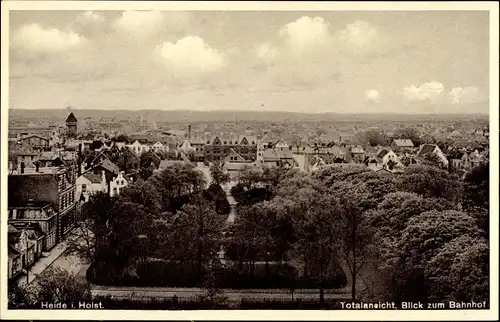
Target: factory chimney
<point>79,160</point>
<point>189,132</point>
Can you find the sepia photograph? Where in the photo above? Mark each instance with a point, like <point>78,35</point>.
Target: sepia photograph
<point>257,157</point>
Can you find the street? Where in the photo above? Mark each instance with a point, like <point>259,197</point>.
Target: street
<point>58,257</point>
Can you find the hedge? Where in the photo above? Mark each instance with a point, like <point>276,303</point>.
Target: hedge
<point>173,275</point>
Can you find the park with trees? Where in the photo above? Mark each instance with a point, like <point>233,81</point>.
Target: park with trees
<point>421,235</point>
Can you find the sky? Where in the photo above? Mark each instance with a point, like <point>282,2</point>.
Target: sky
<point>309,61</point>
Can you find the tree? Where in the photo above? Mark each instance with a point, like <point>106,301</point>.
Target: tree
<point>202,226</point>
<point>430,182</point>
<point>459,271</point>
<point>218,175</point>
<point>422,240</point>
<point>409,133</point>
<point>248,238</point>
<point>120,138</point>
<point>56,285</point>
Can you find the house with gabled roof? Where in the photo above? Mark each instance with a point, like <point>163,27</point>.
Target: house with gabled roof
<point>90,183</point>
<point>432,149</point>
<point>233,156</point>
<point>150,157</point>
<point>402,144</point>
<point>218,146</point>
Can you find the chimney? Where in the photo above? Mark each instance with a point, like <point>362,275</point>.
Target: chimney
<point>79,161</point>
<point>189,132</point>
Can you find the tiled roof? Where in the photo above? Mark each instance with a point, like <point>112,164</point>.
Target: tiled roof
<point>110,166</point>
<point>271,155</point>
<point>403,143</point>
<point>93,177</point>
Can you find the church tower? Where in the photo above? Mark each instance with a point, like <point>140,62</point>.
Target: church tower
<point>71,123</point>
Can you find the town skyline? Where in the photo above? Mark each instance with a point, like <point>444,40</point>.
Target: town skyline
<point>294,61</point>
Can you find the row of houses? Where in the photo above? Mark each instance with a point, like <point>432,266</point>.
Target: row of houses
<point>41,212</point>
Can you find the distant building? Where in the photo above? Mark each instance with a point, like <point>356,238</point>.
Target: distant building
<point>150,157</point>
<point>402,143</point>
<point>35,141</point>
<point>219,146</point>
<point>71,126</point>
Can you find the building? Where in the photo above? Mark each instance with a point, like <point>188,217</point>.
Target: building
<point>130,161</point>
<point>401,144</point>
<point>432,149</point>
<point>110,170</point>
<point>357,153</point>
<point>71,126</point>
<point>138,148</point>
<point>34,193</point>
<point>90,183</point>
<point>277,158</point>
<point>117,184</point>
<point>219,146</point>
<point>15,264</point>
<point>35,141</point>
<point>159,147</point>
<point>150,157</point>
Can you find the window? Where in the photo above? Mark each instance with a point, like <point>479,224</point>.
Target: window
<point>114,190</point>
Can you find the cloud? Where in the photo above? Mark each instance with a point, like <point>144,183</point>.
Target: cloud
<point>306,33</point>
<point>32,40</point>
<point>267,52</point>
<point>89,17</point>
<point>191,53</point>
<point>358,34</point>
<point>372,96</point>
<point>430,91</point>
<point>139,23</point>
<point>464,95</point>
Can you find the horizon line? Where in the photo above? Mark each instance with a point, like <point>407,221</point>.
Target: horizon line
<point>251,111</point>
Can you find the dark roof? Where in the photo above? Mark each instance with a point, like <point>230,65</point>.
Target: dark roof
<point>13,253</point>
<point>71,118</point>
<point>427,148</point>
<point>110,166</point>
<point>39,187</point>
<point>382,153</point>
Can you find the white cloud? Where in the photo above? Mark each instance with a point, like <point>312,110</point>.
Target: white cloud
<point>89,17</point>
<point>33,40</point>
<point>306,33</point>
<point>372,96</point>
<point>462,95</point>
<point>191,53</point>
<point>267,52</point>
<point>139,23</point>
<point>430,91</point>
<point>358,34</point>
